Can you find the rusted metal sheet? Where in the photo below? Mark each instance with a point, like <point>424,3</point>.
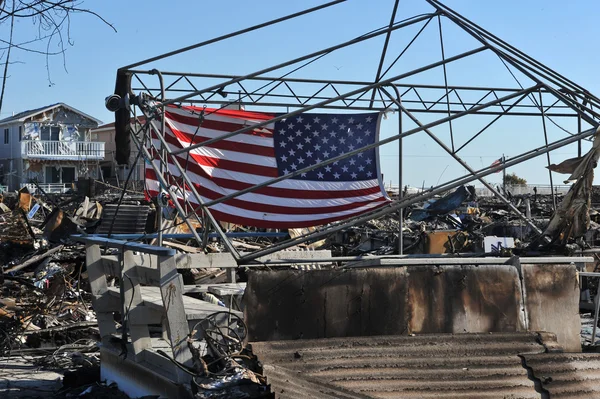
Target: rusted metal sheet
<point>382,301</point>
<point>404,367</point>
<point>552,302</point>
<point>566,375</point>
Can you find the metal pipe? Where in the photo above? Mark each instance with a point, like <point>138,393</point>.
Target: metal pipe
<point>414,199</point>
<point>323,81</point>
<point>548,154</point>
<point>596,312</point>
<point>400,182</point>
<point>384,50</point>
<point>465,165</point>
<point>163,151</point>
<point>445,80</point>
<point>302,100</point>
<point>187,236</point>
<point>233,34</point>
<point>367,147</point>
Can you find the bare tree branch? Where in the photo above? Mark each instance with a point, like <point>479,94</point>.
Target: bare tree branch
<point>12,26</point>
<point>52,21</point>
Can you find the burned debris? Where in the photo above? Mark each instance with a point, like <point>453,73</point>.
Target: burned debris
<point>259,254</point>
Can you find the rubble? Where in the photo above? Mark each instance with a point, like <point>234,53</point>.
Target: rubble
<point>45,302</point>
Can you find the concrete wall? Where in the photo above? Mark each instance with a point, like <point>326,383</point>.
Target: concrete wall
<point>292,304</point>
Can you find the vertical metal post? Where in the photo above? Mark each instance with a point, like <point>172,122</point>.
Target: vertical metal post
<point>596,310</point>
<point>400,186</point>
<point>548,153</point>
<point>503,174</point>
<point>579,132</point>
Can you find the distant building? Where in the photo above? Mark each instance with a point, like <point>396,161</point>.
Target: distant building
<point>51,144</point>
<point>109,167</point>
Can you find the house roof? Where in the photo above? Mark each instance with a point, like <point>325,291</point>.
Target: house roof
<point>21,116</point>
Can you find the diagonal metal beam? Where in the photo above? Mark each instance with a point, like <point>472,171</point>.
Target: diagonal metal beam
<point>384,50</point>
<point>233,34</point>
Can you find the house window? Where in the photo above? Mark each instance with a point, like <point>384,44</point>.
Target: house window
<point>20,133</point>
<point>50,133</point>
<point>6,136</point>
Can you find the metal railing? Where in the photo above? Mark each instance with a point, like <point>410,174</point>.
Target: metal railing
<point>44,149</point>
<point>49,188</point>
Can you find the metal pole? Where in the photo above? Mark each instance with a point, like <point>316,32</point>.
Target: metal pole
<point>445,80</point>
<point>579,131</point>
<point>465,165</point>
<point>413,199</point>
<point>596,312</point>
<point>504,174</point>
<point>367,147</point>
<point>384,50</point>
<point>163,151</point>
<point>548,154</point>
<point>237,33</point>
<point>400,183</point>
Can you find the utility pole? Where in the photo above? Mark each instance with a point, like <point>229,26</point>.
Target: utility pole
<point>503,174</point>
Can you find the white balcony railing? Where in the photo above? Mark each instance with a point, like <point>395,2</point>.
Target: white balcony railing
<point>49,188</point>
<point>57,150</point>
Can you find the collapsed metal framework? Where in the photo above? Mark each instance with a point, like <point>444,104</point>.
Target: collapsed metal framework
<point>546,95</point>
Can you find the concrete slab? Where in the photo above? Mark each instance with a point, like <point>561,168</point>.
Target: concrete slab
<point>19,378</point>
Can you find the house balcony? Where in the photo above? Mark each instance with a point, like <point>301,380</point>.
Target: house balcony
<point>62,150</point>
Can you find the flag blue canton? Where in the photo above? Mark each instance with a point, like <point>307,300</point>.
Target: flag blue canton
<point>309,139</point>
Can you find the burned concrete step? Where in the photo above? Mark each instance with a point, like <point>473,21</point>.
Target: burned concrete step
<point>406,367</point>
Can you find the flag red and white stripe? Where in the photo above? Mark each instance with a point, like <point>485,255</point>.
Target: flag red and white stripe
<point>247,159</point>
<point>497,162</point>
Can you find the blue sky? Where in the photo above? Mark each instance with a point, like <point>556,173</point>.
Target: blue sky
<point>555,32</point>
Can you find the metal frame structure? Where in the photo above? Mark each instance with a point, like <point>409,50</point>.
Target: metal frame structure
<point>548,96</point>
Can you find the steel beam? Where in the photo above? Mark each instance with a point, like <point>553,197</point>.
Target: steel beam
<point>230,35</point>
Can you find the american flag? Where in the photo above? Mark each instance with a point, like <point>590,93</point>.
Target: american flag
<point>497,162</point>
<point>337,191</point>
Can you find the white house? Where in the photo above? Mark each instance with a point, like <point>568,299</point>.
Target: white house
<point>52,145</point>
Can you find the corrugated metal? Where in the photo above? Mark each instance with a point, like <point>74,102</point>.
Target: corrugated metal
<point>423,366</point>
<point>130,219</point>
<point>567,375</point>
